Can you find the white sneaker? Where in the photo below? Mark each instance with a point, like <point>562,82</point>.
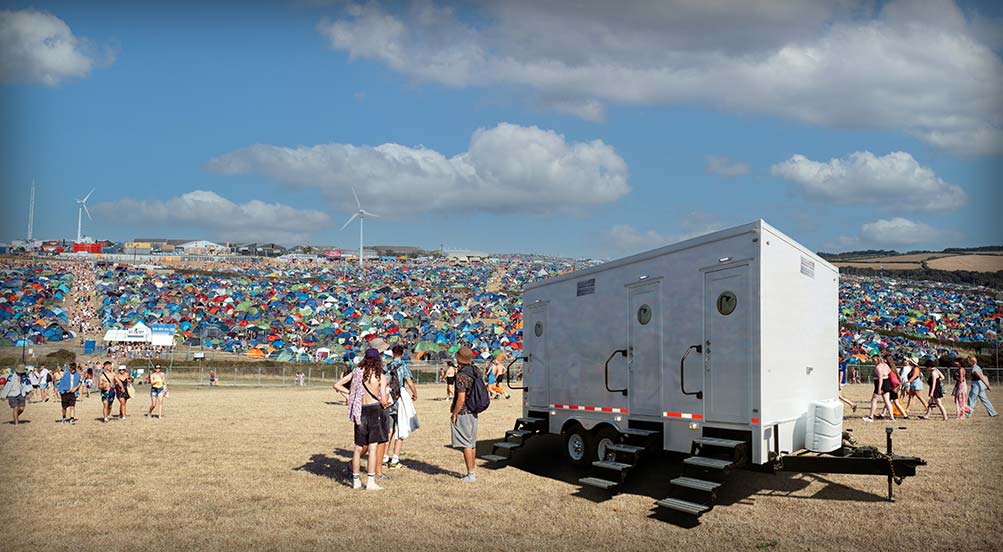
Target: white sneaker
<point>356,483</point>
<point>373,487</point>
<point>867,419</point>
<point>469,478</point>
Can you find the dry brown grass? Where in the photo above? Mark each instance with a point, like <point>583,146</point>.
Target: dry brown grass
<point>247,468</point>
<point>975,263</point>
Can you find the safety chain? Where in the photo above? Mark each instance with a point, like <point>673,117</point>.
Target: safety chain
<point>891,468</point>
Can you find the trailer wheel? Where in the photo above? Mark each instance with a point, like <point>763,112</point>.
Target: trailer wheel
<point>604,437</point>
<point>578,446</point>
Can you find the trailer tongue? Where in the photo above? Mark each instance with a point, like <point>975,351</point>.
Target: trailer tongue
<point>723,347</point>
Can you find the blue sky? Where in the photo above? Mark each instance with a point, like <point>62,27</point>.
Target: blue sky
<point>513,128</point>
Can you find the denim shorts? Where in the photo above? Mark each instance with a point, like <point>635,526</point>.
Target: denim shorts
<point>157,391</point>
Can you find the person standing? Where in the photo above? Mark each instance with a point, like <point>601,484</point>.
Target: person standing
<point>69,384</point>
<point>106,385</point>
<point>936,383</point>
<point>960,392</point>
<point>882,388</point>
<point>980,385</point>
<point>33,375</point>
<point>88,382</point>
<point>463,422</point>
<point>450,377</point>
<point>16,391</point>
<point>44,381</point>
<point>122,381</point>
<point>365,409</point>
<point>158,388</point>
<point>403,416</point>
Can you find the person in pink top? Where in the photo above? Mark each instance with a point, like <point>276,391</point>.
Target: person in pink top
<point>960,392</point>
<point>882,388</point>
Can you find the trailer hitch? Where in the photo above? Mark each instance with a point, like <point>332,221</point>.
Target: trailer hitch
<point>508,373</point>
<point>623,353</point>
<point>682,371</point>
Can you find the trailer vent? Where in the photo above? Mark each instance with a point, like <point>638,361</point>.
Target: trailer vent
<point>807,267</point>
<point>587,287</point>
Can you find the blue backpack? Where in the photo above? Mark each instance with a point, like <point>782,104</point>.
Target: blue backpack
<point>477,397</point>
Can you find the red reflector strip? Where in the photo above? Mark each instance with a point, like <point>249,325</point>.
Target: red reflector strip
<point>755,420</point>
<point>683,415</point>
<point>590,408</point>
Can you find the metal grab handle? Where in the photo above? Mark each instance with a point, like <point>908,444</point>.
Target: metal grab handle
<point>508,373</point>
<point>623,353</point>
<point>682,371</point>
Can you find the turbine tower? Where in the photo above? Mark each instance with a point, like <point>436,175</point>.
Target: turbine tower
<point>361,214</point>
<point>80,214</point>
<point>31,211</point>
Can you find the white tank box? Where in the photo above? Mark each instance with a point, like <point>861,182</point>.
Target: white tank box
<point>825,426</point>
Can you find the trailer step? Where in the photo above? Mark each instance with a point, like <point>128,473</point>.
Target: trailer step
<point>618,466</point>
<point>519,432</point>
<point>629,449</point>
<point>531,421</point>
<point>494,458</point>
<point>696,484</point>
<point>709,463</point>
<point>598,483</point>
<point>715,442</point>
<point>683,506</point>
<point>635,432</point>
<point>507,445</point>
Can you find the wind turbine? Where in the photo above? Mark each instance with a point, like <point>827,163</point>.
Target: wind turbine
<point>361,214</point>
<point>80,213</point>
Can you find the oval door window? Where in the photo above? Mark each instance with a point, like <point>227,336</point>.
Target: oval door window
<point>538,329</point>
<point>726,303</point>
<point>644,314</point>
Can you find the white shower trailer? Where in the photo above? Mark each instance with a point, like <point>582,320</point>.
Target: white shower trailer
<point>605,348</point>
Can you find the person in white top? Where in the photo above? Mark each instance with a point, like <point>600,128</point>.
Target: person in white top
<point>43,382</point>
<point>33,378</point>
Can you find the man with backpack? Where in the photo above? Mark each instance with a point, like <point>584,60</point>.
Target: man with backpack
<point>402,417</point>
<point>470,399</point>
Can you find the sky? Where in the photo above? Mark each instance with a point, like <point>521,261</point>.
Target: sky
<point>522,126</point>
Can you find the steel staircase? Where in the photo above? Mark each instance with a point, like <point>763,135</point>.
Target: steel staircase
<point>704,472</point>
<point>611,472</point>
<point>515,438</point>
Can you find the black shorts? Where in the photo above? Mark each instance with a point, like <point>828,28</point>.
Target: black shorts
<point>894,394</point>
<point>68,399</point>
<point>372,426</point>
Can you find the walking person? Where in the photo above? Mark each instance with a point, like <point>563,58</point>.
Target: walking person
<point>463,422</point>
<point>106,385</point>
<point>69,384</point>
<point>844,400</point>
<point>450,379</point>
<point>16,390</point>
<point>123,386</point>
<point>381,450</point>
<point>496,373</point>
<point>33,375</point>
<point>158,388</point>
<point>935,381</point>
<point>914,383</point>
<point>44,381</point>
<point>980,385</point>
<point>404,418</point>
<point>88,382</point>
<point>896,385</point>
<point>367,393</point>
<point>960,392</point>
<point>882,388</point>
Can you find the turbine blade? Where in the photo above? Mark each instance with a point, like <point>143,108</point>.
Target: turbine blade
<point>368,214</point>
<point>84,205</point>
<point>355,216</point>
<point>357,202</point>
<point>88,196</point>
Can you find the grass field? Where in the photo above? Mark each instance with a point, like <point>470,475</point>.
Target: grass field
<point>263,468</point>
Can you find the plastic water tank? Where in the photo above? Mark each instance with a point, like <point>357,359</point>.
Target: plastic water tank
<point>825,426</point>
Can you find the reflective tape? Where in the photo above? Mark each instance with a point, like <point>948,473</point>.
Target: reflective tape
<point>590,408</point>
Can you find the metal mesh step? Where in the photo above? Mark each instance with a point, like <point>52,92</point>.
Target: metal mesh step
<point>609,465</point>
<point>697,484</point>
<point>598,483</point>
<point>632,449</point>
<point>507,445</point>
<point>519,432</point>
<point>531,421</point>
<point>709,463</point>
<point>639,432</point>
<point>715,442</point>
<point>494,458</point>
<point>691,508</point>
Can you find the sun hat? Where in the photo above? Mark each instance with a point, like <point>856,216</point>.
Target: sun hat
<point>122,367</point>
<point>372,353</point>
<point>913,360</point>
<point>464,355</point>
<point>20,369</point>
<point>379,344</point>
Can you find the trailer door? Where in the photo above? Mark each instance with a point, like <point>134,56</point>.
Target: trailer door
<point>644,349</point>
<point>534,337</point>
<point>727,346</point>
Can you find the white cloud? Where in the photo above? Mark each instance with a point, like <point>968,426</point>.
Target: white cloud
<point>625,239</point>
<point>718,164</point>
<point>920,67</point>
<point>901,231</point>
<point>222,218</point>
<point>508,168</point>
<point>39,48</point>
<point>895,181</point>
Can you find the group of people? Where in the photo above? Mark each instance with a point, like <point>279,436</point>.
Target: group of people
<point>74,383</point>
<point>891,385</point>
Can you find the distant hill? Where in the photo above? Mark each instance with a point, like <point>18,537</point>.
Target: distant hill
<point>981,266</point>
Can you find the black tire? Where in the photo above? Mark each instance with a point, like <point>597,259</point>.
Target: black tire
<point>605,435</point>
<point>579,447</point>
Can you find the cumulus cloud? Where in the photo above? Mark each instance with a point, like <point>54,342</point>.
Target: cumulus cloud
<point>625,239</point>
<point>895,180</point>
<point>223,219</point>
<point>508,168</point>
<point>39,48</point>
<point>717,164</point>
<point>925,68</point>
<point>899,231</point>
